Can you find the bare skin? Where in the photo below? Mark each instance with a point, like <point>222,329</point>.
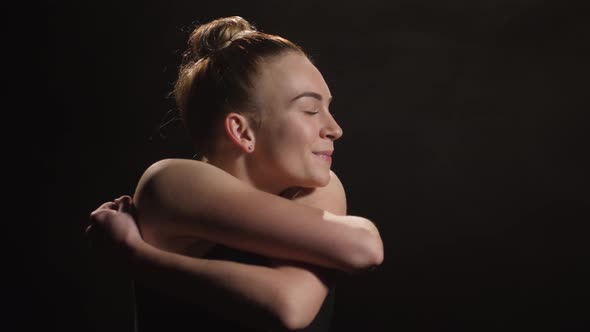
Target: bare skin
<point>268,190</point>
<point>289,290</point>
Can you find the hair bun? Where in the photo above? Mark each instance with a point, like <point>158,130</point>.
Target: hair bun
<point>216,35</point>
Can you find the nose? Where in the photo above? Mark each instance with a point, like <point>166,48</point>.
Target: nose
<point>331,129</point>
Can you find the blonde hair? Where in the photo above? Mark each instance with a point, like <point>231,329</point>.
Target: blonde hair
<point>216,72</point>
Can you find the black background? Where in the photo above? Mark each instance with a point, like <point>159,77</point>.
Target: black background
<point>465,140</point>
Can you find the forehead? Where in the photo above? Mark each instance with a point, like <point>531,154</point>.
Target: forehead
<point>281,78</point>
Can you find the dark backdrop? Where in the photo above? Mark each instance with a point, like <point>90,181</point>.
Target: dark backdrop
<point>465,141</point>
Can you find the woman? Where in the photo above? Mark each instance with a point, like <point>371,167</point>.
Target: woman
<point>246,237</point>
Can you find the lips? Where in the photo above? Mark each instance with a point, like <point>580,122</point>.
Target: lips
<point>324,155</point>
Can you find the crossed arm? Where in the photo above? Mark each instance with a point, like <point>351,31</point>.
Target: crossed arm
<point>287,294</point>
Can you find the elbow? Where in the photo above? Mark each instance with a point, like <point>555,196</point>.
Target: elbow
<point>294,320</point>
<point>369,253</point>
<point>376,253</point>
<point>299,306</point>
<point>294,317</point>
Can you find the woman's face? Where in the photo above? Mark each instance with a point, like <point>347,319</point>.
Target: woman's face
<point>296,137</point>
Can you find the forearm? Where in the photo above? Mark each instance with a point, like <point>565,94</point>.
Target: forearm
<point>363,251</point>
<point>248,219</point>
<point>257,296</point>
<point>346,243</point>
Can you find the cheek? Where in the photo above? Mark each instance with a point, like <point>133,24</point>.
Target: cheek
<point>276,142</point>
<point>293,135</point>
<point>288,145</point>
<point>302,132</point>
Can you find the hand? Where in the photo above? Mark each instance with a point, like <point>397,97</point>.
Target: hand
<point>112,231</point>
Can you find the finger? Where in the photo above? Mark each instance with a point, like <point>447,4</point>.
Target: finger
<point>107,205</point>
<point>125,204</point>
<point>100,216</point>
<point>123,198</point>
<point>104,207</point>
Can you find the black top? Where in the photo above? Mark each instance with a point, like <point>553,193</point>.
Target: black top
<point>157,312</point>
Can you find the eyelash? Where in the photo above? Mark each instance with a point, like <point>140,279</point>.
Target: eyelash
<point>314,113</point>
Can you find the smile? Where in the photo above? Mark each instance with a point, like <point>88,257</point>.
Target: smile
<point>326,156</point>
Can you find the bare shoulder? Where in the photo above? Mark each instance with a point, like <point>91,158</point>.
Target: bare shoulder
<point>171,184</point>
<point>331,197</point>
<point>168,173</point>
<point>172,166</point>
<point>165,181</point>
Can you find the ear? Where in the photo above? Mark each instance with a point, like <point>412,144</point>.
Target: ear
<point>238,129</point>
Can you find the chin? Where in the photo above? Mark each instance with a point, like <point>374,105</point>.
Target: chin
<point>318,180</point>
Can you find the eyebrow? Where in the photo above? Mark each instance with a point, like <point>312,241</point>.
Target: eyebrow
<point>310,94</point>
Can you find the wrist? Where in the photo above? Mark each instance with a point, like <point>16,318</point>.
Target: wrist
<point>132,248</point>
<point>136,253</point>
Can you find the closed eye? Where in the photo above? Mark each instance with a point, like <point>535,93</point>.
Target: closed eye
<point>312,113</point>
